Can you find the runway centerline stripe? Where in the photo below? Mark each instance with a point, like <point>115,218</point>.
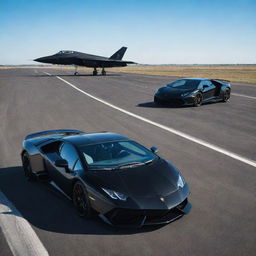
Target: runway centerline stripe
<point>18,233</point>
<point>242,95</point>
<point>166,128</point>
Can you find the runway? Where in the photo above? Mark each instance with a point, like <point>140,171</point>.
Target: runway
<point>222,220</point>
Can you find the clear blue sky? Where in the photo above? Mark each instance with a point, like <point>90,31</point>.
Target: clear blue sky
<point>155,31</point>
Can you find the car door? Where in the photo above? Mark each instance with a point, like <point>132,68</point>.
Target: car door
<point>64,177</point>
<point>208,89</point>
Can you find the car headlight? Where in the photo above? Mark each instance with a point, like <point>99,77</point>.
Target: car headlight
<point>115,195</point>
<point>181,181</point>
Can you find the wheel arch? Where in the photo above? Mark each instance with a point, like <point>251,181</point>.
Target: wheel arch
<point>74,181</point>
<point>23,152</point>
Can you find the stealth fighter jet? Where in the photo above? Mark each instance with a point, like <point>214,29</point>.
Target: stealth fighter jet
<point>87,60</point>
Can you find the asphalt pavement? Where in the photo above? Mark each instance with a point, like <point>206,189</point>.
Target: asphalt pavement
<point>222,219</point>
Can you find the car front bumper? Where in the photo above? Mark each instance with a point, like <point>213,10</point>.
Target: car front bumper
<point>175,101</point>
<point>143,210</point>
<point>119,217</point>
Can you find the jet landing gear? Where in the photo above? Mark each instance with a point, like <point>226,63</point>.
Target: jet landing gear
<point>95,72</point>
<point>76,73</point>
<point>103,72</point>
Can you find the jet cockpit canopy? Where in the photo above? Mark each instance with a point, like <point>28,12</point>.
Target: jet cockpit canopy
<point>65,52</point>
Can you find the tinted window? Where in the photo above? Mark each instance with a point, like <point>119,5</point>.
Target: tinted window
<point>69,153</point>
<point>184,84</point>
<point>78,166</point>
<point>205,82</point>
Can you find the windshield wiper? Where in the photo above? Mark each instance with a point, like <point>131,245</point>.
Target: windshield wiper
<point>102,169</point>
<point>122,166</point>
<point>133,164</point>
<point>129,165</point>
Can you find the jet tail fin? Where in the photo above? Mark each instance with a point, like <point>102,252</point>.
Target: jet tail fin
<point>119,54</point>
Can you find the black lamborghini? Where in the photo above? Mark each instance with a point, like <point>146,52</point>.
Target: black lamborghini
<point>109,174</point>
<point>193,91</point>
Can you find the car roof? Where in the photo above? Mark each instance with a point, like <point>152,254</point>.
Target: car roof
<point>195,78</point>
<point>205,79</point>
<point>94,138</point>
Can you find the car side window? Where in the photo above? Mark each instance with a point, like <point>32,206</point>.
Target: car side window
<point>69,153</point>
<point>200,86</point>
<point>205,82</point>
<point>78,166</point>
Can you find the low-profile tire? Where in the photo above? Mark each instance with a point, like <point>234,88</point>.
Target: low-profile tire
<point>81,201</point>
<point>198,100</point>
<point>27,167</point>
<point>226,95</point>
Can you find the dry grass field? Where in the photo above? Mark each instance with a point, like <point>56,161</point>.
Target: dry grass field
<point>234,73</point>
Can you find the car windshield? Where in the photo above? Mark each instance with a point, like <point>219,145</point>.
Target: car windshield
<point>116,155</point>
<point>184,84</point>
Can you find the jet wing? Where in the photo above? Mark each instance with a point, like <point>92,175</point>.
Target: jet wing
<point>103,62</point>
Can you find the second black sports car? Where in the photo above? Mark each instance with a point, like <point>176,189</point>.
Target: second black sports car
<point>107,173</point>
<point>193,91</point>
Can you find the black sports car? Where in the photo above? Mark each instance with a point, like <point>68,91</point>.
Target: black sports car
<point>193,91</point>
<point>125,183</point>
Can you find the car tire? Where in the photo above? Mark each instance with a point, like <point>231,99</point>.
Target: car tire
<point>198,100</point>
<point>27,167</point>
<point>81,201</point>
<point>226,95</point>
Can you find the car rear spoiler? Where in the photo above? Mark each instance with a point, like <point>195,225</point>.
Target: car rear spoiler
<point>52,132</point>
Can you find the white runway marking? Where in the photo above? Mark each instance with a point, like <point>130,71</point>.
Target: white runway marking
<point>242,95</point>
<point>47,73</point>
<point>19,235</point>
<point>169,129</point>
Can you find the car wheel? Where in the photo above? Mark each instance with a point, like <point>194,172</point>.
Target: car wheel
<point>27,167</point>
<point>198,100</point>
<point>226,96</point>
<point>81,200</point>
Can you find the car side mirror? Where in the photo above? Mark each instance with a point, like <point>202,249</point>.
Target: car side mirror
<point>61,163</point>
<point>155,150</point>
<point>205,86</point>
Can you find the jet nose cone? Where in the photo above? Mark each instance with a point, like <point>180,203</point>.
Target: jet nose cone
<point>46,59</point>
<point>42,59</point>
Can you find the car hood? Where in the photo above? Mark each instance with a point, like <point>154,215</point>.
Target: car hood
<point>153,180</point>
<point>170,91</point>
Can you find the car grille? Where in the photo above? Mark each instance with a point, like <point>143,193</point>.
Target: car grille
<point>176,101</point>
<point>170,101</point>
<point>120,216</point>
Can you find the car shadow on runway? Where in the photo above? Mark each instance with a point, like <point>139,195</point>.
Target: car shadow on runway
<point>47,209</point>
<point>152,104</point>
